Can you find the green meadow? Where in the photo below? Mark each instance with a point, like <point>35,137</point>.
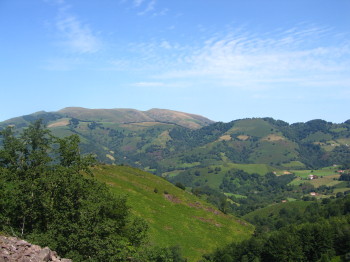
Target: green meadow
<point>175,217</point>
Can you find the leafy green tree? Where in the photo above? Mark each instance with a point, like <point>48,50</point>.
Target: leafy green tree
<point>46,198</point>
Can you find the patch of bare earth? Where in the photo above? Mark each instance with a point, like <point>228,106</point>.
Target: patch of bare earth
<point>225,138</point>
<point>110,157</point>
<point>208,209</point>
<point>168,228</point>
<point>243,137</point>
<point>59,123</point>
<point>172,198</point>
<point>208,220</point>
<point>242,222</point>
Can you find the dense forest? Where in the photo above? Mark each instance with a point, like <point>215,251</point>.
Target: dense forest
<point>320,233</point>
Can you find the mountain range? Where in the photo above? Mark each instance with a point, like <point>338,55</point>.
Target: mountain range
<point>248,167</point>
<point>167,142</point>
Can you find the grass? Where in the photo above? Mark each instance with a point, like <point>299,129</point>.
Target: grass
<point>235,195</point>
<point>293,164</point>
<point>260,169</point>
<point>327,171</point>
<point>317,136</point>
<point>344,141</point>
<point>208,175</point>
<point>273,210</point>
<point>274,152</point>
<point>177,218</point>
<point>251,127</point>
<point>188,165</point>
<point>326,177</point>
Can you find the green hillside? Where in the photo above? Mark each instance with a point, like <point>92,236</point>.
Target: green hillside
<point>163,141</point>
<point>201,154</point>
<point>274,211</point>
<point>175,217</point>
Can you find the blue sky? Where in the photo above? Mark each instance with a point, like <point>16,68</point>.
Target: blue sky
<point>223,59</point>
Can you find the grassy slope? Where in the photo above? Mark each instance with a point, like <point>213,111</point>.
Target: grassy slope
<point>178,218</point>
<point>273,210</point>
<point>326,176</point>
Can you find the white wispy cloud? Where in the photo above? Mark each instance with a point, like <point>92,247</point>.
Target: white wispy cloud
<point>308,57</point>
<point>149,8</point>
<point>73,34</point>
<point>301,57</point>
<point>137,3</point>
<point>149,84</point>
<point>144,7</point>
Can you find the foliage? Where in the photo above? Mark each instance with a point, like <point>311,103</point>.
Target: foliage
<point>318,241</point>
<point>258,190</point>
<point>161,254</point>
<point>297,212</point>
<point>45,198</point>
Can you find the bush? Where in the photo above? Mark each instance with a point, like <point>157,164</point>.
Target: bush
<point>180,185</point>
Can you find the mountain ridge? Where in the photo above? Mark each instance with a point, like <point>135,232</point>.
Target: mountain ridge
<point>117,115</point>
<point>163,141</point>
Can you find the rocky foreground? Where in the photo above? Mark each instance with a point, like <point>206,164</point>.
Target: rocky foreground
<point>15,249</point>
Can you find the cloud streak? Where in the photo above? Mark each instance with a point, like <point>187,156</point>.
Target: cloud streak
<point>149,8</point>
<point>297,57</point>
<point>75,35</point>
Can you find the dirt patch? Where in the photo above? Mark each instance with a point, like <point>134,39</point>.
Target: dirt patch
<point>242,222</point>
<point>195,205</point>
<point>168,228</point>
<point>172,198</point>
<point>212,210</point>
<point>208,220</point>
<point>59,123</point>
<point>273,137</point>
<point>225,138</point>
<point>208,209</point>
<point>110,157</point>
<point>243,137</point>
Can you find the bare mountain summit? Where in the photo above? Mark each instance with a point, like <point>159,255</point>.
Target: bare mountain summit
<point>124,115</point>
<point>117,115</point>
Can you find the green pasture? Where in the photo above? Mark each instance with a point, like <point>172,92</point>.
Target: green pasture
<point>175,217</point>
<point>274,209</point>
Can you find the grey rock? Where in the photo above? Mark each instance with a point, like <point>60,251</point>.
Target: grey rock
<point>44,254</point>
<point>14,249</point>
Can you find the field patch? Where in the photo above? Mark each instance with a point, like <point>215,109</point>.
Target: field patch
<point>243,137</point>
<point>225,138</point>
<point>272,137</point>
<point>61,122</point>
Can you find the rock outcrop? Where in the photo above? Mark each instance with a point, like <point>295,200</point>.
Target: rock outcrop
<point>15,249</point>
